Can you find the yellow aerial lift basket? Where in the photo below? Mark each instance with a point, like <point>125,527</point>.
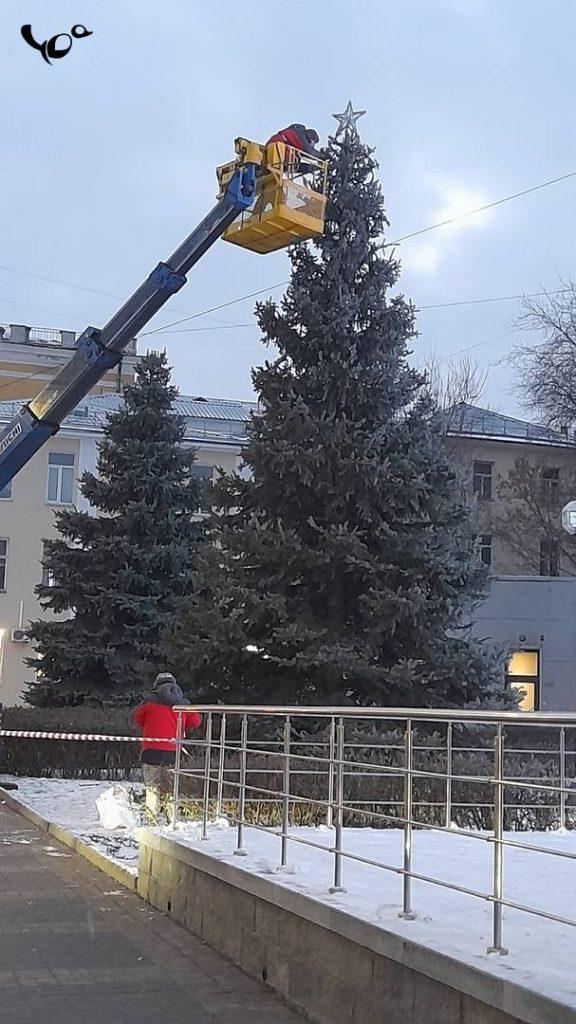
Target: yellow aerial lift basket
<point>290,201</point>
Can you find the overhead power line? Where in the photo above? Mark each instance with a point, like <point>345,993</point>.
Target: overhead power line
<point>487,206</point>
<point>242,298</point>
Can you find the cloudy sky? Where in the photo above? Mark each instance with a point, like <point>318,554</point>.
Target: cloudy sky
<point>108,157</point>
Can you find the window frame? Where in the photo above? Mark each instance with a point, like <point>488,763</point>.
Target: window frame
<point>482,480</point>
<point>47,579</point>
<point>4,564</point>
<point>550,559</point>
<point>485,545</point>
<point>202,478</point>
<point>550,484</point>
<point>60,468</point>
<point>521,681</point>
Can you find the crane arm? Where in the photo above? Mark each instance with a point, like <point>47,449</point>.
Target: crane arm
<point>97,351</point>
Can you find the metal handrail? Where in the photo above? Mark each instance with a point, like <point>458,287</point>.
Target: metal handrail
<point>544,718</point>
<point>335,763</point>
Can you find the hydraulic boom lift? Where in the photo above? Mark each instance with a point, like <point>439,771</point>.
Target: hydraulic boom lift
<point>285,209</point>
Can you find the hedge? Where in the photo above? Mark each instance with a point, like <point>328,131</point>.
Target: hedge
<point>69,759</point>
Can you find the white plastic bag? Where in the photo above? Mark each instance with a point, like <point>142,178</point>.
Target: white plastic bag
<point>115,810</point>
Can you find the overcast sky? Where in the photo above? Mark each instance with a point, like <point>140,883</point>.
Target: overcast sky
<point>108,157</point>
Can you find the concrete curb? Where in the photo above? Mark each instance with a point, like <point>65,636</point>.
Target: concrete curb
<point>62,835</point>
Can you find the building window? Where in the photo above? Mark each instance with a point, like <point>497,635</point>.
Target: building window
<point>550,484</point>
<point>204,475</point>
<point>549,557</point>
<point>47,577</point>
<point>485,548</point>
<point>3,563</point>
<point>523,675</point>
<point>6,492</point>
<point>60,478</point>
<point>482,482</point>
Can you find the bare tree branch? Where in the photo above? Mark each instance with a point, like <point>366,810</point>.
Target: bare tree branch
<point>546,369</point>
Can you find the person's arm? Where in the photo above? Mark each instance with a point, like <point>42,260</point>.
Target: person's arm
<point>192,720</point>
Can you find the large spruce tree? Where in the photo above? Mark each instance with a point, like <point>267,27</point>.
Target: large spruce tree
<point>344,567</point>
<point>119,571</point>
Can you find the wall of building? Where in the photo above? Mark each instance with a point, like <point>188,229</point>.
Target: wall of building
<point>539,614</point>
<point>30,357</point>
<point>503,455</point>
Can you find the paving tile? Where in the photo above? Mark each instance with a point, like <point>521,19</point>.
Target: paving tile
<point>71,954</point>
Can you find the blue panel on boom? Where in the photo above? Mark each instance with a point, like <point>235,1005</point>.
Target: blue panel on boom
<point>20,441</point>
<point>242,186</point>
<point>164,277</point>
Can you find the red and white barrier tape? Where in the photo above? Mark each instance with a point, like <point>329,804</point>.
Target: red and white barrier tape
<point>28,735</point>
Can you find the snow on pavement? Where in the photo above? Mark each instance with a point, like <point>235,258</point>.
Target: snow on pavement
<point>71,803</point>
<point>541,953</point>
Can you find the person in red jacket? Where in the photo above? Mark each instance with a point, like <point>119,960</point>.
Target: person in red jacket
<point>302,138</point>
<point>157,722</point>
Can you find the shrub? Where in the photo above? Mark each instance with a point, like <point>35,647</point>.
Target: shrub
<point>78,759</point>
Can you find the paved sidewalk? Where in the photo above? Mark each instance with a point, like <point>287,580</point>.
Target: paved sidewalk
<point>77,949</point>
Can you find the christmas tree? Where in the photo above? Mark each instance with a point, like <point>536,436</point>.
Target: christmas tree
<point>119,572</point>
<point>344,568</point>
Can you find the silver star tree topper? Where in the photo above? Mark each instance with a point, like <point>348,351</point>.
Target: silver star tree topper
<point>347,119</point>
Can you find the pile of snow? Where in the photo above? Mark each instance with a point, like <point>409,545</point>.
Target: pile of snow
<point>541,953</point>
<point>75,806</point>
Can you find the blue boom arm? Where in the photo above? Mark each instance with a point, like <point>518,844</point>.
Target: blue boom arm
<point>99,350</point>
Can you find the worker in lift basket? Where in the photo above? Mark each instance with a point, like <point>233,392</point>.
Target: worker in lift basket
<point>157,720</point>
<point>302,138</point>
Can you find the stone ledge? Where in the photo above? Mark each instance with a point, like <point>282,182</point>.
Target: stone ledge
<point>501,995</point>
<point>67,838</point>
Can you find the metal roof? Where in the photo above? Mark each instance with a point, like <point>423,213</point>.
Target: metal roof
<point>208,419</point>
<point>471,420</point>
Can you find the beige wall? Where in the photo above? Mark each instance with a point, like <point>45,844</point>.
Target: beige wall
<point>25,369</point>
<point>26,519</point>
<point>503,455</point>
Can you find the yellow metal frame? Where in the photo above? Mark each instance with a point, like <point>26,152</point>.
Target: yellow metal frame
<point>286,208</point>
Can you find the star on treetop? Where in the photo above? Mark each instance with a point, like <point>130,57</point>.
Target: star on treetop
<point>347,119</point>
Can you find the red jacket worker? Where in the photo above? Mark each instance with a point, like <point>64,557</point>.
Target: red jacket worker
<point>157,722</point>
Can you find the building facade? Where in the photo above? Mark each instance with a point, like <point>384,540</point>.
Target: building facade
<point>216,429</point>
<point>30,356</point>
<point>518,475</point>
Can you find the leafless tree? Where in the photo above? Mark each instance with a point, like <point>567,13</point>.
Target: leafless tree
<point>546,369</point>
<point>458,385</point>
<point>529,511</point>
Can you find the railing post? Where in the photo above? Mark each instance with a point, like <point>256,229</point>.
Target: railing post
<point>331,755</point>
<point>498,849</point>
<point>338,887</point>
<point>407,912</point>
<point>286,794</point>
<point>562,778</point>
<point>177,762</point>
<point>240,851</point>
<point>449,738</point>
<point>221,765</point>
<point>207,774</point>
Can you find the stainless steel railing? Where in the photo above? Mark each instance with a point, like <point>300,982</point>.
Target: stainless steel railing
<point>248,773</point>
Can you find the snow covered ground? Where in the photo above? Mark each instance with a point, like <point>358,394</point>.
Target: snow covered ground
<point>72,804</point>
<point>541,953</point>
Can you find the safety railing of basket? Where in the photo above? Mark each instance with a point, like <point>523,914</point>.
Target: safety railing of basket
<point>327,745</point>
